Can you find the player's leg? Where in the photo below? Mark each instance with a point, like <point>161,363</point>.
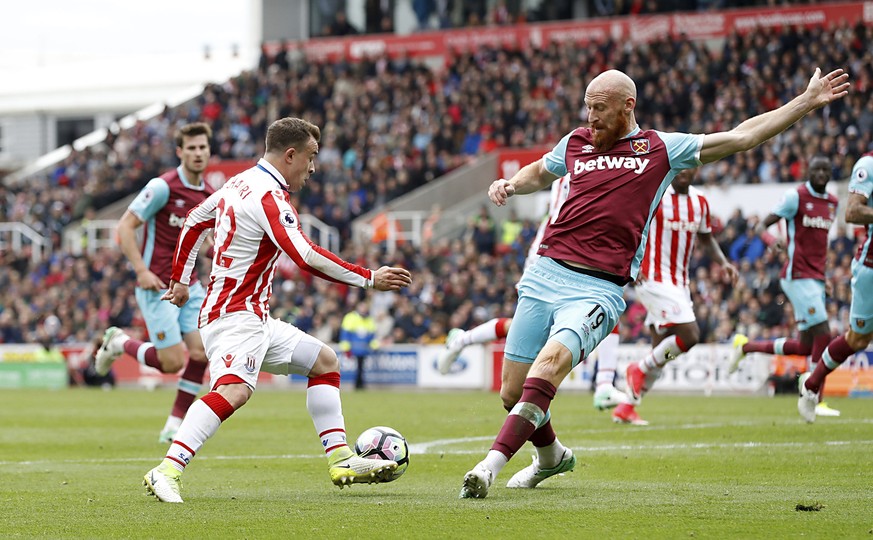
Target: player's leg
<point>295,352</point>
<point>606,395</point>
<point>550,453</point>
<point>842,347</point>
<point>164,352</point>
<point>670,317</point>
<point>237,344</point>
<point>819,337</point>
<point>189,385</point>
<point>807,297</point>
<point>191,378</point>
<point>593,302</point>
<point>457,339</point>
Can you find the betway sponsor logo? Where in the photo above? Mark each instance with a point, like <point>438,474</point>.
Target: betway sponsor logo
<point>602,163</point>
<point>817,222</point>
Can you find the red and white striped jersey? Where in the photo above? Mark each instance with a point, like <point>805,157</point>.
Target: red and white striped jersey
<point>253,223</point>
<point>671,236</point>
<point>560,190</point>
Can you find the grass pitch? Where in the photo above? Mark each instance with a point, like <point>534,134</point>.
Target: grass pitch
<point>71,464</point>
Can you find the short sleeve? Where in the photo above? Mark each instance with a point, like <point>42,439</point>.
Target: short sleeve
<point>151,199</point>
<point>555,160</point>
<point>683,149</point>
<point>862,177</point>
<point>787,207</point>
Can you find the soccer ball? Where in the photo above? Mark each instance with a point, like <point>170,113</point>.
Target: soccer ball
<point>384,443</point>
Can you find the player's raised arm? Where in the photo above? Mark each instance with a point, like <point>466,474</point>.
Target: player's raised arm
<point>530,179</point>
<point>820,91</point>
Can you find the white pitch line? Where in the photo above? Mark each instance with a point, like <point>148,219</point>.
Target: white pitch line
<point>439,446</point>
<point>429,449</point>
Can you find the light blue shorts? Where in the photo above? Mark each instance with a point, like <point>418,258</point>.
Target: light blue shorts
<point>165,322</point>
<point>556,303</point>
<point>861,312</point>
<point>807,297</point>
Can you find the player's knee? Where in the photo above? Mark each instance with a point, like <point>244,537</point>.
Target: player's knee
<point>326,362</point>
<point>197,355</point>
<point>509,395</point>
<point>858,341</point>
<point>236,394</point>
<point>690,336</point>
<point>171,362</point>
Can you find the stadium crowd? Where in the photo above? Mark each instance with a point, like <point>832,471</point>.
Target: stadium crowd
<point>456,285</point>
<point>392,125</point>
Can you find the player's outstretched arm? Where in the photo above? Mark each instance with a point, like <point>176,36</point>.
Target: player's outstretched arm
<point>530,179</point>
<point>820,91</point>
<point>388,278</point>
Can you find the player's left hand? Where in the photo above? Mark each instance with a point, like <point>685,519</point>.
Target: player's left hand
<point>825,89</point>
<point>732,273</point>
<point>177,294</point>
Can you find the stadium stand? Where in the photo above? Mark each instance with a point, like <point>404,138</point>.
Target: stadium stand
<point>391,125</point>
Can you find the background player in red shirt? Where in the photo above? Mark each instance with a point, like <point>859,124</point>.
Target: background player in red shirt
<point>662,286</point>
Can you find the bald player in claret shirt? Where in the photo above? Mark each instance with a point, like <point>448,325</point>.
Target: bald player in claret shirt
<point>572,297</point>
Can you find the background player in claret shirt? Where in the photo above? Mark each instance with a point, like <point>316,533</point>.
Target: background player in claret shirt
<point>662,286</point>
<point>859,210</point>
<point>571,297</point>
<point>162,206</point>
<point>808,210</point>
<point>254,223</point>
<point>606,395</point>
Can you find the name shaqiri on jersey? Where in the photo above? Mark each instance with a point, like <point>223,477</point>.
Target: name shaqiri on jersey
<point>610,200</point>
<point>808,235</point>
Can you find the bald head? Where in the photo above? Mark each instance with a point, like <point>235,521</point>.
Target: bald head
<point>610,98</point>
<point>615,83</point>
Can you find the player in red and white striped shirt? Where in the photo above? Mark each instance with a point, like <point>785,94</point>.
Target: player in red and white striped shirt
<point>254,223</point>
<point>662,286</point>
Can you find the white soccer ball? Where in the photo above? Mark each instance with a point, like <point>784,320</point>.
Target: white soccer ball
<point>382,442</point>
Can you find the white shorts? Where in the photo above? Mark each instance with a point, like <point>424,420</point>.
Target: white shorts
<point>666,304</point>
<point>240,344</point>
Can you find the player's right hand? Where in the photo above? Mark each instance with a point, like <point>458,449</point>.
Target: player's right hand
<point>149,281</point>
<point>388,278</point>
<point>500,191</point>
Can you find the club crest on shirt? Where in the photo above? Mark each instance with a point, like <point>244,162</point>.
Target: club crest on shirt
<point>288,219</point>
<point>161,336</point>
<point>640,146</point>
<point>812,311</point>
